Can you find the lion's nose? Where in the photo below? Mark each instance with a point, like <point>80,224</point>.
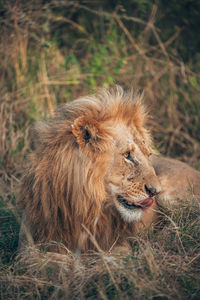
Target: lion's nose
<point>151,191</point>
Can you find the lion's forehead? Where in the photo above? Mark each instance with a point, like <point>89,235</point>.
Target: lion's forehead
<point>123,135</point>
<point>129,139</point>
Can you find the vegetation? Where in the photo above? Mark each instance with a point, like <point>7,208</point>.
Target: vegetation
<point>54,51</point>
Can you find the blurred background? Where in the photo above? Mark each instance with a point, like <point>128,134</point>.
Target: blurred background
<point>52,52</point>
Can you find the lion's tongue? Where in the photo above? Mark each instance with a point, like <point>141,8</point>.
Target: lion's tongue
<point>145,203</point>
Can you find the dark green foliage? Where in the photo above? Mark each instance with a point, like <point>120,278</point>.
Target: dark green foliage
<point>9,229</point>
<point>171,16</point>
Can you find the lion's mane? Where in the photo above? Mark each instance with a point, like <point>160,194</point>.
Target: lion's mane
<point>63,192</point>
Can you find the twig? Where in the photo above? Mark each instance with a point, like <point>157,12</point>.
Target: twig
<point>133,42</point>
<point>159,41</point>
<point>192,260</point>
<point>102,256</point>
<point>172,38</point>
<point>175,227</point>
<point>45,80</point>
<point>108,15</point>
<point>74,24</point>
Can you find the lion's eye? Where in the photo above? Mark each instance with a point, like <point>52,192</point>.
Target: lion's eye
<point>127,155</point>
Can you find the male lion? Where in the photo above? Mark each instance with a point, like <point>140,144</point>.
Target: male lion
<point>91,174</point>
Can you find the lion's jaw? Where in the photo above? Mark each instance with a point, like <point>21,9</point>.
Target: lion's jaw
<point>129,215</point>
<point>133,177</point>
<point>131,208</point>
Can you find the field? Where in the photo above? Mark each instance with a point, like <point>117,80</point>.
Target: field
<point>52,52</point>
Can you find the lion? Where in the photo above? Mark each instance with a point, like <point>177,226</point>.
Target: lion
<point>92,178</point>
<point>180,182</point>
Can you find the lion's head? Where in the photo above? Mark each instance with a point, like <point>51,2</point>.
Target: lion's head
<point>90,169</point>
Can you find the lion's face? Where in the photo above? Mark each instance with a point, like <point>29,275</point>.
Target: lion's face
<point>131,178</point>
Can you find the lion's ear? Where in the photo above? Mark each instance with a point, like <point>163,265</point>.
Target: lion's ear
<point>89,132</point>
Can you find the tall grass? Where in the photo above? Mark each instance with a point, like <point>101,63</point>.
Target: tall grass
<point>164,265</point>
<point>37,74</point>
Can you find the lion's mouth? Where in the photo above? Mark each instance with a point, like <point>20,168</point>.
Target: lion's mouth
<point>143,204</point>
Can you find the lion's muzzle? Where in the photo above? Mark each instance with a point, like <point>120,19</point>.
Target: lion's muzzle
<point>143,204</point>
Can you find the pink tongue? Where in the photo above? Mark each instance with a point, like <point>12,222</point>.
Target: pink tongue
<point>145,203</point>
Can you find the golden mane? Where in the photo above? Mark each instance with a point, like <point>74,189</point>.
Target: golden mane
<point>63,192</point>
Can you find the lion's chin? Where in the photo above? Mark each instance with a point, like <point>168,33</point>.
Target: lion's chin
<point>129,215</point>
<point>132,212</point>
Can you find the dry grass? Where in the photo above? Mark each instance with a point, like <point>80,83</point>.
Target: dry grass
<point>37,75</point>
<point>163,266</point>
